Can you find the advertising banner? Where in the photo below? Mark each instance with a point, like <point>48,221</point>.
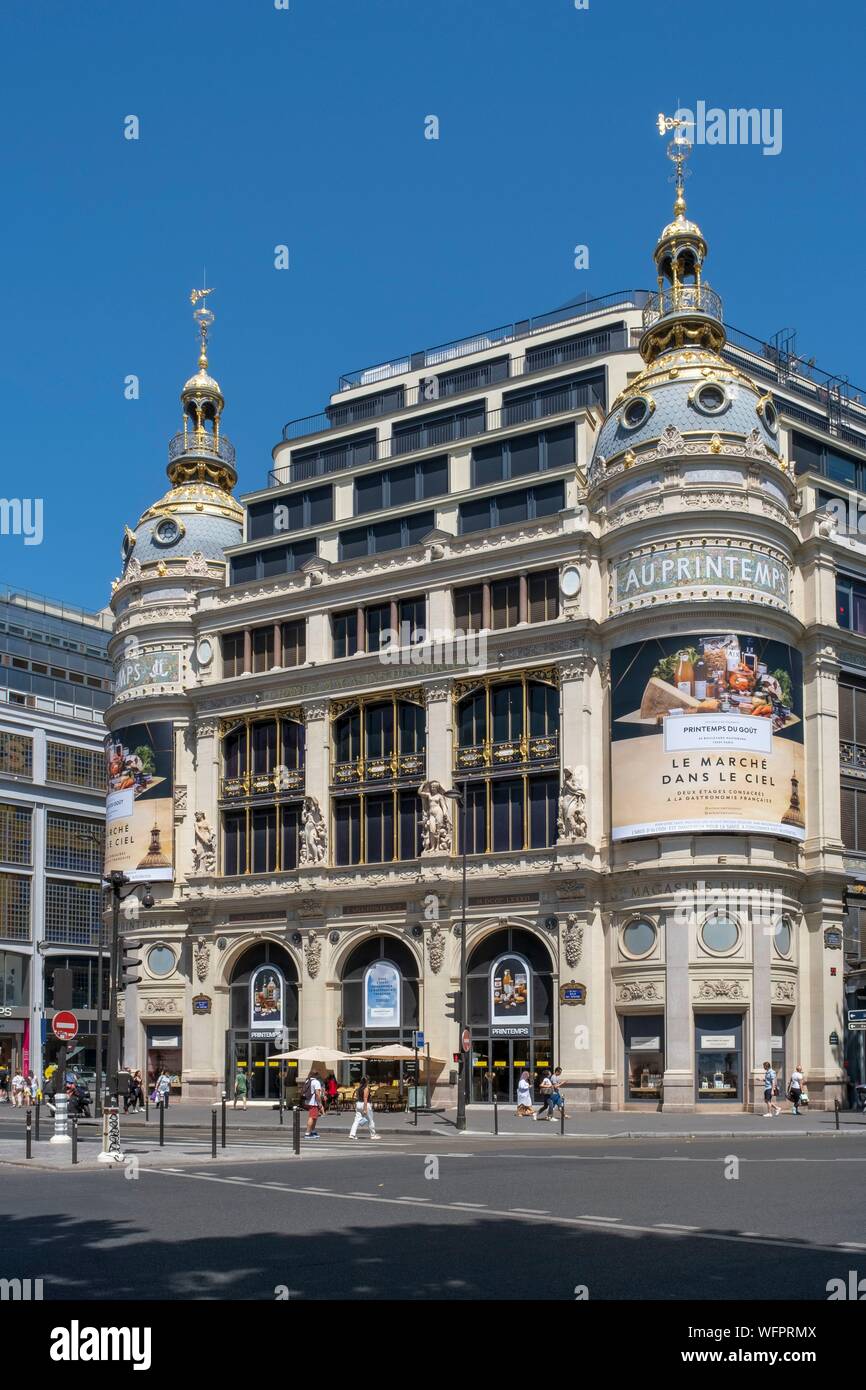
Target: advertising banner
<point>382,996</point>
<point>147,668</point>
<point>267,993</point>
<point>510,997</point>
<point>139,833</point>
<point>707,734</point>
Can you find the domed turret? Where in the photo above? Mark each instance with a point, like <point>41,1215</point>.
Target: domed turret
<point>687,388</point>
<point>198,516</point>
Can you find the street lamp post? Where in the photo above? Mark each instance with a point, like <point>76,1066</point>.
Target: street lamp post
<point>461,799</point>
<point>117,881</point>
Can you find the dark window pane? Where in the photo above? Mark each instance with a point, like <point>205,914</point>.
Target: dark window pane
<point>244,568</point>
<point>347,737</point>
<point>525,455</point>
<point>233,653</point>
<point>234,842</point>
<point>347,830</point>
<point>290,829</point>
<point>474,819</point>
<point>487,464</point>
<point>505,602</point>
<point>476,516</point>
<point>560,446</point>
<point>513,506</point>
<point>379,720</point>
<point>292,739</point>
<point>543,702</point>
<point>841,468</point>
<point>369,493</point>
<point>264,841</point>
<point>411,723</point>
<point>275,561</point>
<point>472,723</point>
<point>344,627</point>
<point>294,643</point>
<point>235,752</point>
<point>378,620</point>
<point>549,498</point>
<point>469,608</point>
<point>413,619</point>
<point>354,543</point>
<point>263,743</point>
<point>543,808</point>
<point>410,826</point>
<point>380,828</point>
<point>843,606</point>
<point>507,711</point>
<point>434,477</point>
<point>263,648</point>
<point>543,593</point>
<point>321,505</point>
<point>417,526</point>
<point>404,486</point>
<point>387,536</point>
<point>507,807</point>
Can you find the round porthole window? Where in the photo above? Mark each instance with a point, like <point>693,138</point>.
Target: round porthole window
<point>784,936</point>
<point>771,418</point>
<point>638,938</point>
<point>720,934</point>
<point>160,960</point>
<point>167,531</point>
<point>711,399</point>
<point>636,413</point>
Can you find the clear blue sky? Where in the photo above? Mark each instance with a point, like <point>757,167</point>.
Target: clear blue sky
<point>306,127</point>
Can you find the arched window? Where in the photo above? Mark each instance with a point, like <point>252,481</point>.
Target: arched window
<point>510,1012</point>
<point>263,1021</point>
<point>378,761</point>
<point>261,790</point>
<point>507,759</point>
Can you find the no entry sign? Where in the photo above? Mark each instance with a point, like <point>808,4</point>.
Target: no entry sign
<point>64,1025</point>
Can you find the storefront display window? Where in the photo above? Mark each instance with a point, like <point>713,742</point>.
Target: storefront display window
<point>644,1056</point>
<point>718,1061</point>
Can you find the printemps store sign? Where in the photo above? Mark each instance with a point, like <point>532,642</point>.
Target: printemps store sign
<point>711,569</point>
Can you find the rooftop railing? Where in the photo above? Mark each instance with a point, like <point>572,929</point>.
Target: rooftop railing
<point>201,444</point>
<point>682,299</point>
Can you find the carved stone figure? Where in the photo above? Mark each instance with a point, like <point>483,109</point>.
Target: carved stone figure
<point>436,948</point>
<point>573,940</point>
<point>201,955</point>
<point>314,841</point>
<point>313,948</point>
<point>435,819</point>
<point>203,854</point>
<point>572,802</point>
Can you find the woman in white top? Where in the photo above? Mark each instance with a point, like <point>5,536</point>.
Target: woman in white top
<point>524,1094</point>
<point>795,1088</point>
<point>18,1089</point>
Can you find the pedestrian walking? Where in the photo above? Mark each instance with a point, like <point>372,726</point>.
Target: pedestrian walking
<point>312,1102</point>
<point>163,1089</point>
<point>557,1099</point>
<point>771,1090</point>
<point>240,1090</point>
<point>546,1089</point>
<point>363,1110</point>
<point>4,1084</point>
<point>795,1089</point>
<point>332,1090</point>
<point>18,1089</point>
<point>524,1094</point>
<point>29,1089</point>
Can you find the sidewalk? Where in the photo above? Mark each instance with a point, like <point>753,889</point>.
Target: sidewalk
<point>186,1117</point>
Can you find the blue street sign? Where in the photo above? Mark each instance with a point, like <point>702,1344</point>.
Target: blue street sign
<point>857,1015</point>
<point>419,1039</point>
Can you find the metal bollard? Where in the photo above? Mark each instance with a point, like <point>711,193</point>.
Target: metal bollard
<point>28,1136</point>
<point>281,1109</point>
<point>837,1107</point>
<point>562,1120</point>
<point>296,1131</point>
<point>223,1124</point>
<point>496,1117</point>
<point>38,1110</point>
<point>74,1138</point>
<point>213,1143</point>
<point>161,1123</point>
<point>146,1106</point>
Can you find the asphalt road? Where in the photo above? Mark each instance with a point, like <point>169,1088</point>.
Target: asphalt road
<point>709,1219</point>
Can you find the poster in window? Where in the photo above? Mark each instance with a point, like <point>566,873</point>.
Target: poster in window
<point>510,996</point>
<point>139,838</point>
<point>382,995</point>
<point>267,993</point>
<point>707,734</point>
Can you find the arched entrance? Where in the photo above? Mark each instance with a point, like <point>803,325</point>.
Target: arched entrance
<point>380,1005</point>
<point>263,1020</point>
<point>510,1006</point>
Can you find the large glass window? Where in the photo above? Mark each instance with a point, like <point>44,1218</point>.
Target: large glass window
<point>15,907</point>
<point>16,755</point>
<point>487,513</point>
<point>15,834</point>
<point>14,980</point>
<point>401,486</point>
<point>73,912</point>
<point>76,767</point>
<point>73,844</point>
<point>394,534</point>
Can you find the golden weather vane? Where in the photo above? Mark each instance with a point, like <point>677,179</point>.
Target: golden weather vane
<point>204,318</point>
<point>678,152</point>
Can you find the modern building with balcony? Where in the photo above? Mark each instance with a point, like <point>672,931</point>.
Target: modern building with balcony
<point>55,684</point>
<point>579,570</point>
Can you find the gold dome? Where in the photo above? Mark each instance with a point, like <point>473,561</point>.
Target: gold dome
<point>202,384</point>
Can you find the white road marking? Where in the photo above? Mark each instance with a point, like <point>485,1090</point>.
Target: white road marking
<point>475,1206</point>
<point>586,1217</point>
<point>416,1199</point>
<point>851,1245</point>
<point>530,1211</point>
<point>674,1226</point>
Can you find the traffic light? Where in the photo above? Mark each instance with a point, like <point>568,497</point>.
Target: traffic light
<point>454,1006</point>
<point>128,962</point>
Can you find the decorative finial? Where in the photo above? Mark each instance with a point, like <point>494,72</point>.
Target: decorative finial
<point>678,152</point>
<point>204,318</point>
